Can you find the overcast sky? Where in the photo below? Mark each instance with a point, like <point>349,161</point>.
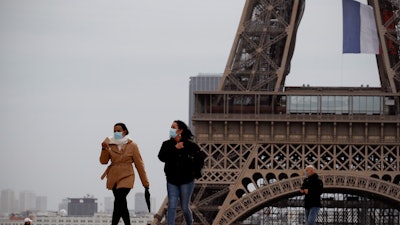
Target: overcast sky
<point>71,69</point>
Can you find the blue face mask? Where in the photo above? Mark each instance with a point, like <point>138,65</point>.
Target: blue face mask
<point>117,135</point>
<point>172,133</point>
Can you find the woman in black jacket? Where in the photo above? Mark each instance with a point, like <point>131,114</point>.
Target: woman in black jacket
<point>179,154</point>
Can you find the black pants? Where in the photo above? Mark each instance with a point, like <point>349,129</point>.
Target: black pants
<point>120,206</point>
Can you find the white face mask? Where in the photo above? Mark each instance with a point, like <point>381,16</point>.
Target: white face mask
<point>172,133</point>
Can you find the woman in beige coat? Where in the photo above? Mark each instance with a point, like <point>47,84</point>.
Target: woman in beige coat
<point>122,152</point>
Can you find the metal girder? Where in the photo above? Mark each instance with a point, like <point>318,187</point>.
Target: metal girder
<point>263,47</point>
<point>387,17</point>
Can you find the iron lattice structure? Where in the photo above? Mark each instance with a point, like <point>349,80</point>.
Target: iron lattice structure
<point>259,135</point>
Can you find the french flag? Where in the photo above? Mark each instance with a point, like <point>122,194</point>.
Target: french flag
<point>359,28</point>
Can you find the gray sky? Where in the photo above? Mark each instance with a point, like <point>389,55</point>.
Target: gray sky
<point>71,69</point>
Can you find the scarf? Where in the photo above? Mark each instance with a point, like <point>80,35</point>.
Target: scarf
<point>119,142</point>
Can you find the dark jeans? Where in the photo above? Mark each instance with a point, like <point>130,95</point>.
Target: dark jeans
<point>120,206</point>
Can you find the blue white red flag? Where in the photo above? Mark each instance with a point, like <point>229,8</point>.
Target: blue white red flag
<point>359,28</point>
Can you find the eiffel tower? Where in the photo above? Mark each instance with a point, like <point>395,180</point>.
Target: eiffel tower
<point>260,135</point>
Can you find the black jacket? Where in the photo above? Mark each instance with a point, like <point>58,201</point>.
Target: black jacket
<point>315,188</point>
<point>179,163</point>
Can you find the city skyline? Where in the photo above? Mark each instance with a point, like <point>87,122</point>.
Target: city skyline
<point>29,201</point>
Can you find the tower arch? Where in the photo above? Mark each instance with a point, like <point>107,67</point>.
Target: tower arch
<point>333,182</point>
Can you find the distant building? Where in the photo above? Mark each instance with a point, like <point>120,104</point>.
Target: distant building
<point>86,206</point>
<point>153,205</point>
<point>27,201</point>
<point>108,204</point>
<point>63,205</point>
<point>41,203</point>
<point>140,203</point>
<point>201,82</point>
<point>7,202</point>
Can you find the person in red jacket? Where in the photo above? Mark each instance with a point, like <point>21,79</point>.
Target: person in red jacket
<point>122,152</point>
<point>312,188</point>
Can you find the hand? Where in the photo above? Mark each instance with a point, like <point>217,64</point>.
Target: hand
<point>104,145</point>
<point>179,145</point>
